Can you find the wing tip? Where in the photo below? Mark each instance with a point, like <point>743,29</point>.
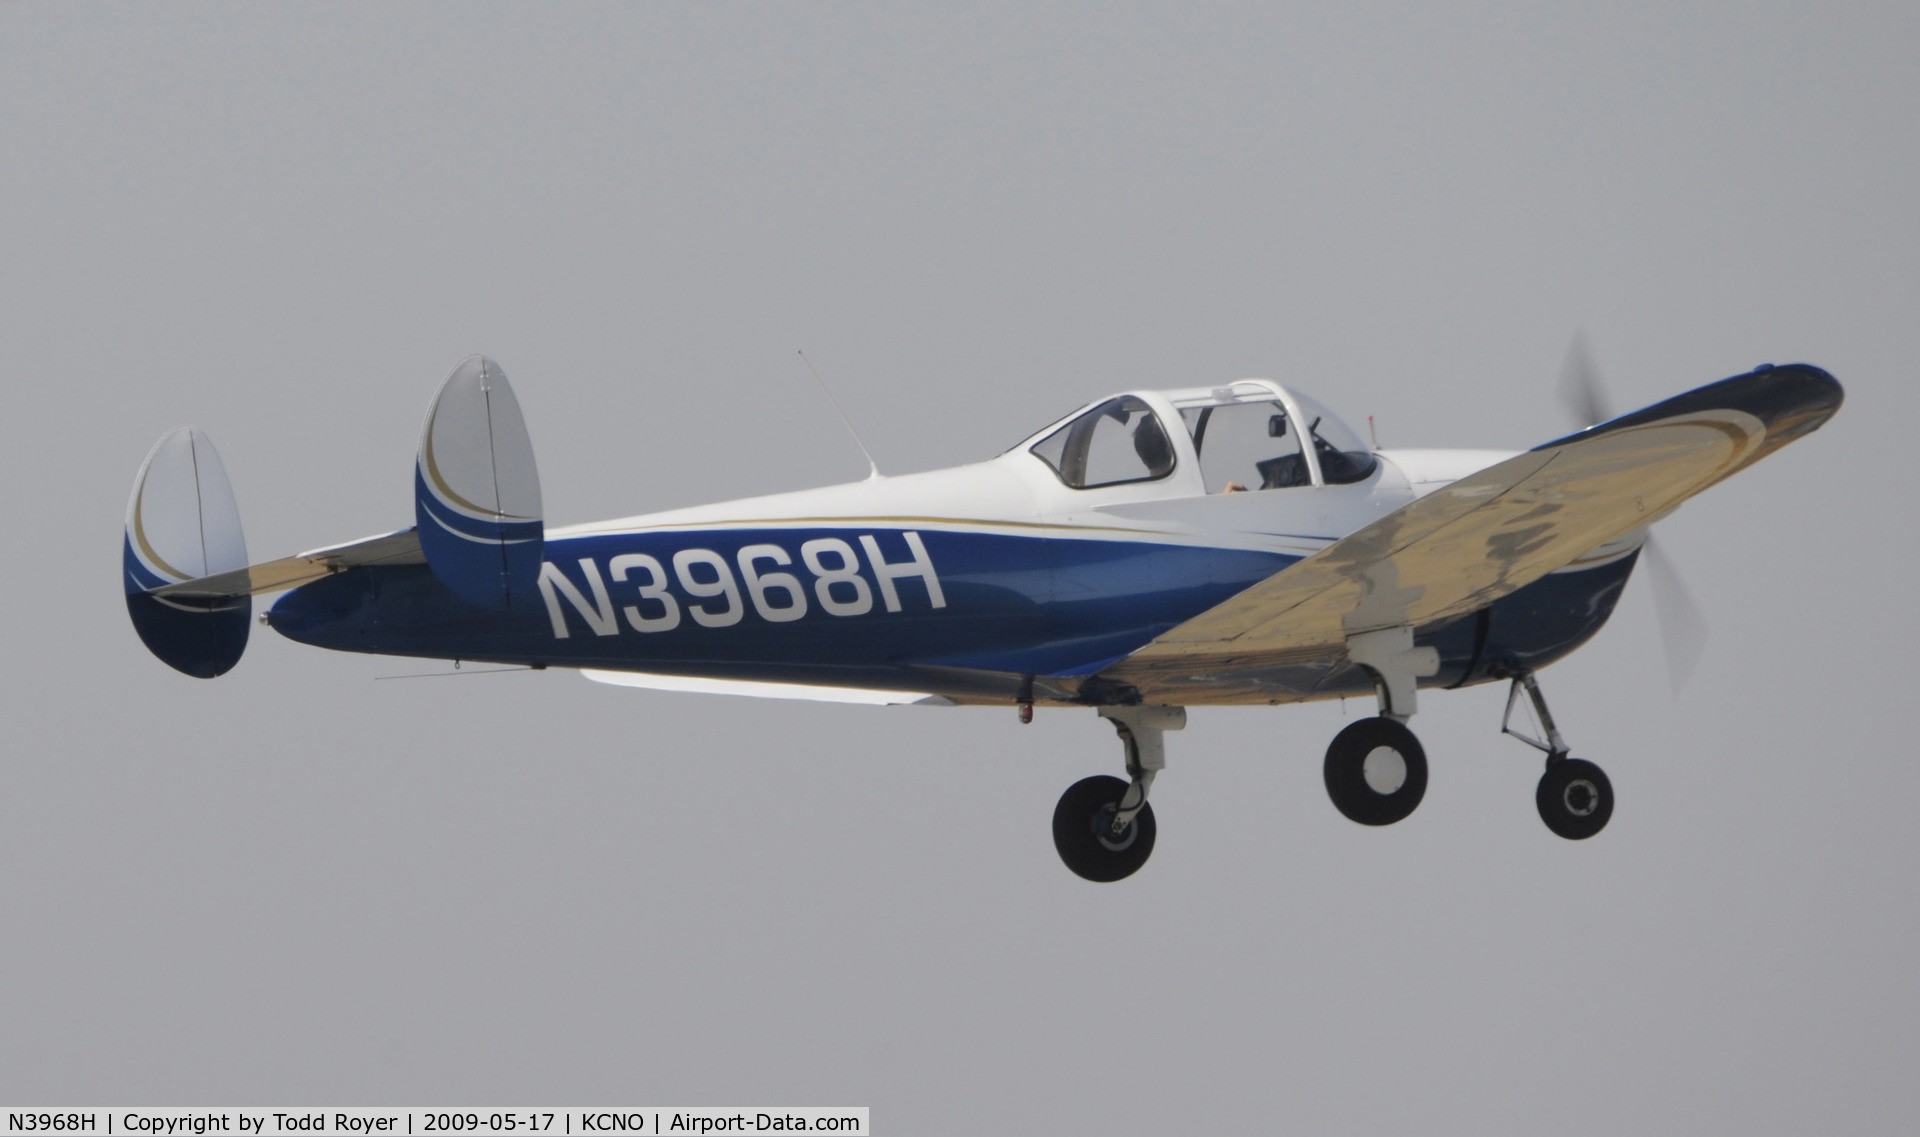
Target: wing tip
<point>1789,399</point>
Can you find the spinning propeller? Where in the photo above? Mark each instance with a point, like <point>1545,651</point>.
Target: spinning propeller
<point>1683,630</point>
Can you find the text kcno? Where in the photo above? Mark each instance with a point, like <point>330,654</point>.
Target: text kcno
<point>716,598</point>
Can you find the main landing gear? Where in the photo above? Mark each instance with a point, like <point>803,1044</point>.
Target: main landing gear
<point>1376,771</point>
<point>1103,827</point>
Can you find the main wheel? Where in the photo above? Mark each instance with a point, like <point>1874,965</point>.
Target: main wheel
<point>1575,798</point>
<point>1376,771</point>
<point>1083,830</point>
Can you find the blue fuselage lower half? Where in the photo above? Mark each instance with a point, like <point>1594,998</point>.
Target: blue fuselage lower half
<point>950,611</point>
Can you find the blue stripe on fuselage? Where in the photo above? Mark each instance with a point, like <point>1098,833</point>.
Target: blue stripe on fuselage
<point>1028,604</point>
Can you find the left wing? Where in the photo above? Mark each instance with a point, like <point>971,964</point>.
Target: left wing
<point>1465,546</point>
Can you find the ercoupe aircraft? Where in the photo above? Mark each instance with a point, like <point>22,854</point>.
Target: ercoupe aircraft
<point>1153,551</point>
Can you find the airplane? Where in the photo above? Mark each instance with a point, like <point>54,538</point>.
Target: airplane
<point>1152,551</point>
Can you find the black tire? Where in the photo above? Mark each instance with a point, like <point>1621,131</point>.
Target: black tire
<point>1575,798</point>
<point>1081,831</point>
<point>1399,774</point>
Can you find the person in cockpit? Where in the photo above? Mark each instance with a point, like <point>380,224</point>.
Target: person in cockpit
<point>1154,448</point>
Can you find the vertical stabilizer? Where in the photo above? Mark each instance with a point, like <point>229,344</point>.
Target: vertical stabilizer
<point>181,524</point>
<point>476,492</point>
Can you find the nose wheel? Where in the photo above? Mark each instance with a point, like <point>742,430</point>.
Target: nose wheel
<point>1575,797</point>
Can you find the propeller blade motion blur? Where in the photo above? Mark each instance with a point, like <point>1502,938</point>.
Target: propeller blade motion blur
<point>1683,630</point>
<point>1683,627</point>
<point>1581,390</point>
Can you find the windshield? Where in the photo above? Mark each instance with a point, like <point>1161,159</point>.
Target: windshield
<point>1343,459</point>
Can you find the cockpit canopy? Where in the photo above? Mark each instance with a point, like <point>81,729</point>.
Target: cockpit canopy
<point>1120,440</point>
<point>1250,435</point>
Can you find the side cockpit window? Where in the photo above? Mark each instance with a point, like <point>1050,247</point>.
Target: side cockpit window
<point>1253,436</point>
<point>1247,446</point>
<point>1121,440</point>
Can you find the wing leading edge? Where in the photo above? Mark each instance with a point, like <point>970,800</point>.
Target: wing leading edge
<point>1465,546</point>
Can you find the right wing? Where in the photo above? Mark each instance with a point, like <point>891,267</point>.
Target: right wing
<point>761,689</point>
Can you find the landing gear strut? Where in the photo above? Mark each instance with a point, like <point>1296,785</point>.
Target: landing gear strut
<point>1103,827</point>
<point>1574,797</point>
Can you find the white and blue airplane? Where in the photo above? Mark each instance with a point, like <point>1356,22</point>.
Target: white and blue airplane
<point>1153,551</point>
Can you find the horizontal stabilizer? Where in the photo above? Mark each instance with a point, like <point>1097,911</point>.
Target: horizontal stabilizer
<point>762,690</point>
<point>182,525</point>
<point>398,548</point>
<point>475,489</point>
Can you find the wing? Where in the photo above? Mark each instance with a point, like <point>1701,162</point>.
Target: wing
<point>397,548</point>
<point>765,690</point>
<point>1465,546</point>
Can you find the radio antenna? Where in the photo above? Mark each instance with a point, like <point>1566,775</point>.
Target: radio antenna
<point>456,672</point>
<point>844,421</point>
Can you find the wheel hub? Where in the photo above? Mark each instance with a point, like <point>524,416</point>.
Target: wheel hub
<point>1581,797</point>
<point>1103,830</point>
<point>1385,770</point>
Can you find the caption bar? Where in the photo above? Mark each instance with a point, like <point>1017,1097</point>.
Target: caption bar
<point>254,1122</point>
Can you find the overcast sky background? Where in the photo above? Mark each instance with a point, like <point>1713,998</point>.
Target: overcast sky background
<point>298,885</point>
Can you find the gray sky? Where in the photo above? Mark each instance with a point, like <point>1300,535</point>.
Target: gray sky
<point>298,885</point>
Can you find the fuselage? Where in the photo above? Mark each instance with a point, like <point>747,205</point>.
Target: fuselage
<point>999,581</point>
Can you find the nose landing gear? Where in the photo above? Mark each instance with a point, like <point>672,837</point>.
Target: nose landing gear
<point>1575,797</point>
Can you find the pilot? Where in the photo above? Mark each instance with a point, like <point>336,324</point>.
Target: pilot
<point>1151,444</point>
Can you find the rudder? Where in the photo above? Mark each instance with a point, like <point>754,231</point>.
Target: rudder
<point>182,523</point>
<point>476,490</point>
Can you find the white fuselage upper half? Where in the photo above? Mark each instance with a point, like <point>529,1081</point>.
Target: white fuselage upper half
<point>1021,491</point>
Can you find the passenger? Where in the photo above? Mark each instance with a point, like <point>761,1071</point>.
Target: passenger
<point>1151,444</point>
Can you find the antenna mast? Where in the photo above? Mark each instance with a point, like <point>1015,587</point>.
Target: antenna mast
<point>872,466</point>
